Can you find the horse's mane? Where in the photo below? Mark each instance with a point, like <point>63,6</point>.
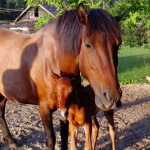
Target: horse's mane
<point>69,29</point>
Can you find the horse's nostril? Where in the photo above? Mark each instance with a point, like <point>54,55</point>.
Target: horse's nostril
<point>104,94</point>
<point>107,96</point>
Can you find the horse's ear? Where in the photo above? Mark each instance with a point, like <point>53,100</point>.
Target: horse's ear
<point>118,18</point>
<point>82,14</point>
<point>65,9</point>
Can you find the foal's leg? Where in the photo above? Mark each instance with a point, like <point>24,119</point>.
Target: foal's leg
<point>88,127</point>
<point>64,134</point>
<point>73,136</point>
<point>95,128</point>
<point>3,126</point>
<point>46,116</point>
<point>109,116</point>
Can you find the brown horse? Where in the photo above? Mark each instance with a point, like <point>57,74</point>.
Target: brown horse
<point>81,111</point>
<point>78,41</point>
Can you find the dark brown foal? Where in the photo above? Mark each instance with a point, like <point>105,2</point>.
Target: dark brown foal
<point>80,103</point>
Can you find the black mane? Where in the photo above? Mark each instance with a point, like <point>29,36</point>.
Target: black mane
<point>69,29</point>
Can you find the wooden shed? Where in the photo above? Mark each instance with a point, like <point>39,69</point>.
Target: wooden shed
<point>32,14</point>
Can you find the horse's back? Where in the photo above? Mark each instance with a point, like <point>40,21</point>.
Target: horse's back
<point>12,39</point>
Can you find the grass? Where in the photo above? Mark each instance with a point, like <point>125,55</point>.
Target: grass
<point>134,64</point>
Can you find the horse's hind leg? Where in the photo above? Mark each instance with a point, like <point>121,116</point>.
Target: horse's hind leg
<point>95,128</point>
<point>109,117</point>
<point>3,126</point>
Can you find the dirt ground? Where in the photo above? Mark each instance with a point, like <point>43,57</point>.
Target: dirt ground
<point>132,123</point>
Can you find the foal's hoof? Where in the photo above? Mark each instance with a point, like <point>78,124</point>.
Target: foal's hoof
<point>12,145</point>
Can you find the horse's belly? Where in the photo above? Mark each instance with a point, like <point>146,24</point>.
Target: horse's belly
<point>18,86</point>
<point>20,94</point>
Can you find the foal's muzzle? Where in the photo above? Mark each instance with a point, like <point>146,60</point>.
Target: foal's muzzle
<point>64,115</point>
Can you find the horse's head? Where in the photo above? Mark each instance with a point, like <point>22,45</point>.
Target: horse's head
<point>63,90</point>
<point>98,60</point>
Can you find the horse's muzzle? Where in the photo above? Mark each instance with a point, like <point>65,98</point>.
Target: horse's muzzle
<point>107,100</point>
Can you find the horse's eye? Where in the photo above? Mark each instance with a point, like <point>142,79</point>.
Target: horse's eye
<point>88,46</point>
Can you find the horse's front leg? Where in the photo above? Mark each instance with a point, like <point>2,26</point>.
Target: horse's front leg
<point>109,116</point>
<point>3,126</point>
<point>64,134</point>
<point>46,116</point>
<point>87,128</point>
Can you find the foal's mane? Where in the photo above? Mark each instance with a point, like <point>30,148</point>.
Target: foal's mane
<point>69,29</point>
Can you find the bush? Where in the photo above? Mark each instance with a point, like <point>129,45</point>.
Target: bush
<point>135,37</point>
<point>44,19</point>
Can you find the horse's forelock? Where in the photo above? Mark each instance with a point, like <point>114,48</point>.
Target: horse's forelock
<point>69,29</point>
<point>100,21</point>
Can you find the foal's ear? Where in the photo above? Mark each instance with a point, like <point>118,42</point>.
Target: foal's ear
<point>55,76</point>
<point>63,74</point>
<point>73,81</point>
<point>82,14</point>
<point>118,18</point>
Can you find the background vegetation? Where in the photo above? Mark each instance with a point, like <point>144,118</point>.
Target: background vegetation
<point>10,9</point>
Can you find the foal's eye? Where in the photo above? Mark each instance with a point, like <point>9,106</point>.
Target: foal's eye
<point>56,93</point>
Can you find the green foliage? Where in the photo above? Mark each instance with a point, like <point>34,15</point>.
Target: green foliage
<point>135,37</point>
<point>44,19</point>
<point>35,2</point>
<point>137,12</point>
<point>130,22</point>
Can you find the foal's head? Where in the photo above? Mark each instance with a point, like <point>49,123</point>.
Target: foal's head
<point>63,90</point>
